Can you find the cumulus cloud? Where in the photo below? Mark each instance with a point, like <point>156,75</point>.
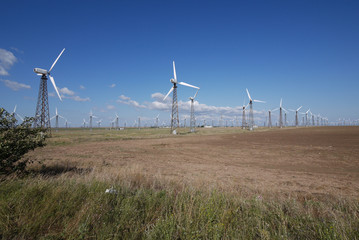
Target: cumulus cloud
<point>203,111</point>
<point>127,100</point>
<point>66,91</point>
<point>79,99</point>
<point>7,59</point>
<point>112,85</point>
<point>15,85</point>
<point>82,87</point>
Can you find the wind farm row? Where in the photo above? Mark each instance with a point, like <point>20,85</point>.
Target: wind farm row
<point>282,117</point>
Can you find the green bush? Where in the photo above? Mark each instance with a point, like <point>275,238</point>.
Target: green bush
<point>16,140</point>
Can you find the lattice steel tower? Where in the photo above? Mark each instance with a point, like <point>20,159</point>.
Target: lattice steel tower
<point>42,115</point>
<point>269,119</point>
<point>244,122</point>
<point>174,115</point>
<point>193,120</point>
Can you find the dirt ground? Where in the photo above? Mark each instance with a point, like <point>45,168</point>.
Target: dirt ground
<point>318,160</point>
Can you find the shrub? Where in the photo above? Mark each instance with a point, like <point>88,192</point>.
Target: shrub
<point>16,140</point>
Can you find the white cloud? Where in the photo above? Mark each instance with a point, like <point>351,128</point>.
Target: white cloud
<point>112,85</point>
<point>52,94</point>
<point>66,91</point>
<point>15,85</point>
<point>7,59</point>
<point>82,87</point>
<point>123,97</point>
<point>111,107</point>
<point>203,111</point>
<point>75,98</point>
<point>126,100</point>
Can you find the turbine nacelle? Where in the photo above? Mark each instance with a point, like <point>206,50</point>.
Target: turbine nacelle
<point>41,71</point>
<point>173,80</point>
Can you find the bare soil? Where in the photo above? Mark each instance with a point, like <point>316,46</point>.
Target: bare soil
<point>316,160</point>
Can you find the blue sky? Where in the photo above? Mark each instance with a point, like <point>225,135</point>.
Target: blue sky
<point>119,55</point>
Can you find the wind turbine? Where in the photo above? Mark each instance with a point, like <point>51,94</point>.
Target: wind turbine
<point>270,117</point>
<point>42,115</point>
<point>84,123</point>
<point>91,116</point>
<point>116,121</point>
<point>251,119</point>
<point>174,116</point>
<point>157,120</point>
<point>57,119</point>
<point>244,123</point>
<point>193,120</point>
<point>99,123</point>
<point>117,126</point>
<point>281,108</point>
<point>15,113</point>
<point>306,117</point>
<point>296,115</point>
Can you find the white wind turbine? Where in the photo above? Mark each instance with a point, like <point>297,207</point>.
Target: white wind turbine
<point>174,116</point>
<point>251,118</point>
<point>57,119</point>
<point>296,115</point>
<point>281,109</point>
<point>91,116</point>
<point>193,120</point>
<point>84,123</point>
<point>270,117</point>
<point>306,117</point>
<point>157,120</point>
<point>42,115</point>
<point>15,113</point>
<point>99,123</point>
<point>116,121</point>
<point>244,122</point>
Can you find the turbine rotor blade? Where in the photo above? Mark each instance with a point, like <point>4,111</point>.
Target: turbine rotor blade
<point>20,117</point>
<point>53,83</point>
<point>188,85</point>
<point>169,92</point>
<point>196,94</point>
<point>174,71</point>
<point>259,101</point>
<point>275,109</point>
<point>280,103</point>
<point>299,108</point>
<point>15,109</point>
<point>56,60</point>
<point>249,96</point>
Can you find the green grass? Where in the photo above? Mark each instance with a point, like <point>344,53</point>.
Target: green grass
<point>72,208</point>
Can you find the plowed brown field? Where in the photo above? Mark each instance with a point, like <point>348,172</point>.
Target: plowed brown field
<point>318,160</point>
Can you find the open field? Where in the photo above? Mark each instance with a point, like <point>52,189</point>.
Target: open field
<point>322,160</point>
<point>222,183</point>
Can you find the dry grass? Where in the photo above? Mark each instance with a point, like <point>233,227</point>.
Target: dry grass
<point>288,184</point>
